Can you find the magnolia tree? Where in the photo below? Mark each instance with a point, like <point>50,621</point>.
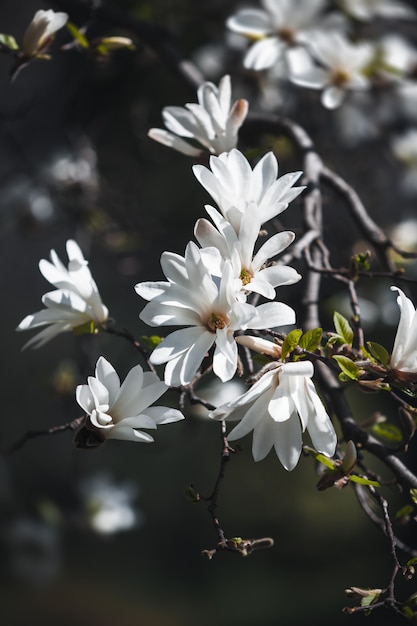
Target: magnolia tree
<point>218,312</point>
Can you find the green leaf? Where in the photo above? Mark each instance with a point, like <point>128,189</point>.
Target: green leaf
<point>413,495</point>
<point>78,35</point>
<point>9,41</point>
<point>324,460</point>
<point>362,261</point>
<point>363,481</point>
<point>404,511</point>
<point>412,561</point>
<point>343,328</point>
<point>378,352</point>
<point>371,598</point>
<point>311,339</point>
<point>387,431</point>
<point>291,342</point>
<point>348,367</point>
<point>85,329</point>
<point>151,341</point>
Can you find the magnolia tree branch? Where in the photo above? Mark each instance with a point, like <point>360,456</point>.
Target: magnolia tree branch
<point>156,38</point>
<point>34,434</point>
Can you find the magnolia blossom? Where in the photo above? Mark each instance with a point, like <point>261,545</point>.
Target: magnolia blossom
<point>40,32</point>
<point>75,302</point>
<point>109,506</point>
<point>213,122</point>
<point>404,148</point>
<point>118,411</point>
<point>250,268</point>
<point>282,24</point>
<point>279,407</point>
<point>404,352</point>
<point>233,185</point>
<point>340,68</point>
<point>209,309</point>
<point>366,10</point>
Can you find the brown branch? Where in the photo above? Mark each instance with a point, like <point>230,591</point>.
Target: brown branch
<point>126,334</point>
<point>34,434</point>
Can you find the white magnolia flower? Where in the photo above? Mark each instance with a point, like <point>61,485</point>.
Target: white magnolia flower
<point>281,25</point>
<point>404,148</point>
<point>40,32</point>
<point>209,309</point>
<point>404,352</point>
<point>233,185</point>
<point>250,268</point>
<point>340,67</point>
<point>118,411</point>
<point>110,506</point>
<point>75,302</point>
<point>213,122</point>
<point>279,407</point>
<point>366,10</point>
<point>397,59</point>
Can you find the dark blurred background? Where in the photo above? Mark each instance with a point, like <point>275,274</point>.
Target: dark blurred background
<point>75,161</point>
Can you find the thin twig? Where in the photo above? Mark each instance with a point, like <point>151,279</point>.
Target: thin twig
<point>34,434</point>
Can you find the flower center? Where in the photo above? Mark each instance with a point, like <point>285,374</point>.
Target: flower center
<point>216,321</point>
<point>340,77</point>
<point>287,34</point>
<point>245,276</point>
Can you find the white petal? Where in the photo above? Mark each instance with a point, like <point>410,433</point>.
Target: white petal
<point>263,54</point>
<point>172,141</point>
<point>288,442</point>
<point>164,415</point>
<point>251,22</point>
<point>332,97</point>
<point>108,376</point>
<point>225,355</point>
<point>272,314</point>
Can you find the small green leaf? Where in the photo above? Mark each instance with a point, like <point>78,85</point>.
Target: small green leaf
<point>291,342</point>
<point>343,328</point>
<point>151,341</point>
<point>371,598</point>
<point>363,481</point>
<point>191,494</point>
<point>387,431</point>
<point>9,41</point>
<point>404,512</point>
<point>324,460</point>
<point>413,495</point>
<point>378,352</point>
<point>85,329</point>
<point>348,367</point>
<point>311,339</point>
<point>361,261</point>
<point>78,35</point>
<point>412,561</point>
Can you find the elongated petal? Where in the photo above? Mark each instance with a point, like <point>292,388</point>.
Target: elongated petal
<point>172,141</point>
<point>253,22</point>
<point>263,438</point>
<point>288,442</point>
<point>263,54</point>
<point>272,314</point>
<point>164,415</point>
<point>225,355</point>
<point>108,376</point>
<point>128,434</point>
<point>85,398</point>
<point>177,343</point>
<point>272,247</point>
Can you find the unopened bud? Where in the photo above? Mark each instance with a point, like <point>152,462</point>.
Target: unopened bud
<point>260,345</point>
<point>350,458</point>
